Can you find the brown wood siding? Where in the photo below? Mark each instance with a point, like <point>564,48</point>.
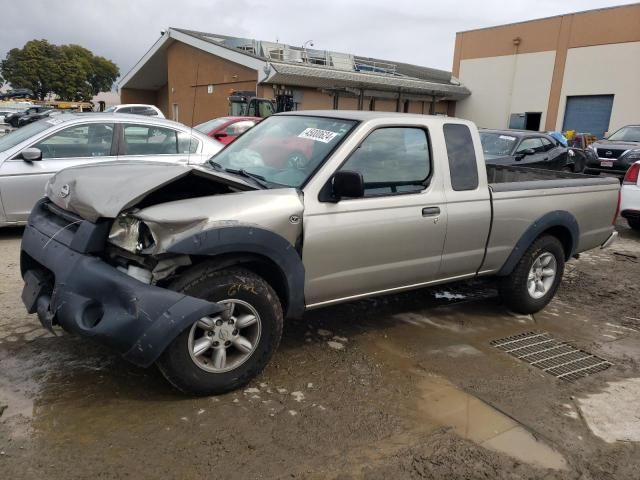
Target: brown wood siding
<point>134,95</point>
<point>183,62</point>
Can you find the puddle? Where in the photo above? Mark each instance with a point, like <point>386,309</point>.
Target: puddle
<point>438,403</point>
<point>444,404</point>
<point>614,413</point>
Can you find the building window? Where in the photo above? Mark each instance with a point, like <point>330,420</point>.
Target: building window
<point>317,60</point>
<point>276,54</point>
<point>176,113</point>
<point>247,48</point>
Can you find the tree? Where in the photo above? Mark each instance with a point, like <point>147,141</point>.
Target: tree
<point>69,71</point>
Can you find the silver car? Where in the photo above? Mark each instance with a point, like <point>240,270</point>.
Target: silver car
<point>30,155</point>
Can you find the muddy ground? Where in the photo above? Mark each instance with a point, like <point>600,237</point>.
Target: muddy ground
<point>404,386</point>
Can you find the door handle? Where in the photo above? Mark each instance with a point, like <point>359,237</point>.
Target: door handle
<point>545,159</point>
<point>430,211</point>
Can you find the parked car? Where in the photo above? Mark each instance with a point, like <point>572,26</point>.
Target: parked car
<point>17,93</point>
<point>31,114</point>
<point>227,129</point>
<point>195,267</point>
<point>30,155</point>
<point>630,196</point>
<point>529,149</point>
<point>616,153</point>
<point>136,109</point>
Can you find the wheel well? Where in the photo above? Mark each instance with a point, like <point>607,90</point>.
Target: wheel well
<point>563,234</point>
<point>258,264</point>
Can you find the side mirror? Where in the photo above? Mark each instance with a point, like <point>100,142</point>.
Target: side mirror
<point>31,154</point>
<point>348,184</point>
<point>524,153</point>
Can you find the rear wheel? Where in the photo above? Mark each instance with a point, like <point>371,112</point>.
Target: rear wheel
<point>536,277</point>
<point>634,223</point>
<point>223,352</point>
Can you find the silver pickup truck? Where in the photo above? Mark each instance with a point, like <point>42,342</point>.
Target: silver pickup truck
<point>194,268</point>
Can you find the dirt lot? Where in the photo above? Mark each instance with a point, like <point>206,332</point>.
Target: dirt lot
<point>404,386</point>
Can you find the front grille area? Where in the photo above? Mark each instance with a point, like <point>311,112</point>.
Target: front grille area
<point>611,153</point>
<point>552,356</point>
<point>60,217</point>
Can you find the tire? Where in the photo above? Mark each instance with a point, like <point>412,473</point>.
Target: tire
<point>250,294</point>
<point>514,288</point>
<point>634,223</point>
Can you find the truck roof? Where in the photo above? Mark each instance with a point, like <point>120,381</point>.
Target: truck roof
<point>363,115</point>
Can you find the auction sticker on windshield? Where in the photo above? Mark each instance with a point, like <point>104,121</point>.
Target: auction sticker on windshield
<point>324,136</point>
<point>507,137</point>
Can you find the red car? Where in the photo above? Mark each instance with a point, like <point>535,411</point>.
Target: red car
<point>226,129</point>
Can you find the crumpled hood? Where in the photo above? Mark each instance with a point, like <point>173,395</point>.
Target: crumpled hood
<point>105,189</point>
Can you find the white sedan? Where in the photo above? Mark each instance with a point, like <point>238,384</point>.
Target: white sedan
<point>32,154</point>
<point>630,196</point>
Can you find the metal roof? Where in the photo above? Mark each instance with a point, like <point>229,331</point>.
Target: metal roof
<point>278,63</point>
<point>323,77</point>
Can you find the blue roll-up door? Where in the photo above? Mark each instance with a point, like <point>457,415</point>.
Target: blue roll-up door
<point>588,114</point>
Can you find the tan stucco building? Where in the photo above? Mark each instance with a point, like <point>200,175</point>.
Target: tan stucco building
<point>189,75</point>
<point>578,71</point>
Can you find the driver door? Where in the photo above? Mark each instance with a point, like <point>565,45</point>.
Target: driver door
<point>23,183</point>
<point>390,238</point>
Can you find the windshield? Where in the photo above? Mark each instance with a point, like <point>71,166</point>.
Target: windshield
<point>12,139</point>
<point>497,143</point>
<point>206,127</point>
<point>284,150</point>
<point>626,134</point>
<point>110,109</point>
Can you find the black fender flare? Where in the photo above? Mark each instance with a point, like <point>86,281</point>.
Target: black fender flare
<point>243,239</point>
<point>557,218</point>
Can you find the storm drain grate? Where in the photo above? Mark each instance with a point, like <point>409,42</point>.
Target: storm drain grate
<point>553,356</point>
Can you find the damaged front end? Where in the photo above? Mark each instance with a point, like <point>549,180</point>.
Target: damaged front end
<point>99,250</point>
<point>68,284</point>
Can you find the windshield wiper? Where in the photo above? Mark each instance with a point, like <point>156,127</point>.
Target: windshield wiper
<point>259,179</point>
<point>216,165</point>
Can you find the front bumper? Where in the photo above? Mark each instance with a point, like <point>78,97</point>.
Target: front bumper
<point>68,285</point>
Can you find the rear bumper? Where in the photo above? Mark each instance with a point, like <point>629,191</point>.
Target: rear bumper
<point>87,296</point>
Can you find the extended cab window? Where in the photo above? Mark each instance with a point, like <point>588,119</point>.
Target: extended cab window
<point>392,160</point>
<point>92,140</point>
<point>463,165</point>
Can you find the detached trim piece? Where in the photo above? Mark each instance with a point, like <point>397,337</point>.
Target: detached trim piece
<point>248,239</point>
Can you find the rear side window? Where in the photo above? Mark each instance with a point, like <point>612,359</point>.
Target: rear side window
<point>462,157</point>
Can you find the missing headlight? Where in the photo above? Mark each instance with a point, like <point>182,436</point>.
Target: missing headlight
<point>131,234</point>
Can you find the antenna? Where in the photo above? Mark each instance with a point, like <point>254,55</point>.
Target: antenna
<point>193,112</point>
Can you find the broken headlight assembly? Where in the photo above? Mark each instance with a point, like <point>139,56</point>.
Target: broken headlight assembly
<point>131,234</point>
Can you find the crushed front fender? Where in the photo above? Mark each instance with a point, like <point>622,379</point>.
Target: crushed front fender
<point>89,297</point>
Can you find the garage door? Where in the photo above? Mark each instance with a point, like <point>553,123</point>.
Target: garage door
<point>588,114</point>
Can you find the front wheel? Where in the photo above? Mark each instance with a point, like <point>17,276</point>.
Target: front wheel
<point>536,277</point>
<point>223,352</point>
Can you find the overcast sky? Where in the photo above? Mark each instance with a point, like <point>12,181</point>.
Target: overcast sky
<point>414,31</point>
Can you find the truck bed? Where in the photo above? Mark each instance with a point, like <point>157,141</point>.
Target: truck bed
<point>521,197</point>
<point>509,178</point>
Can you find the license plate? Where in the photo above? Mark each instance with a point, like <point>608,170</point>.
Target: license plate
<point>606,163</point>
